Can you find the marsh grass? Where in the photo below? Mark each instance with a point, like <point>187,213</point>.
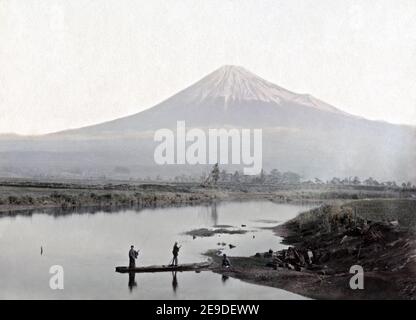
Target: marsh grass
<point>326,217</point>
<point>401,210</point>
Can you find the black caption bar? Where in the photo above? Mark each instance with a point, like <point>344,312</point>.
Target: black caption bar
<point>199,309</point>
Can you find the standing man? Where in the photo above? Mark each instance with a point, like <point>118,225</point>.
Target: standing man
<point>132,257</point>
<point>225,261</point>
<point>175,252</point>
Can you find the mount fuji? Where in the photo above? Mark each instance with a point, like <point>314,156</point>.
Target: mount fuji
<point>300,133</point>
<point>230,96</point>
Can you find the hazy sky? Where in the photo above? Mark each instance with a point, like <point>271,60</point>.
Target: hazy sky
<point>65,64</point>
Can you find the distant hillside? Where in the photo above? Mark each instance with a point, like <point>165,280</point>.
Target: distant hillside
<point>300,133</point>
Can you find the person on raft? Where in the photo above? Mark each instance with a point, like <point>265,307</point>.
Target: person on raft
<point>175,252</point>
<point>225,261</point>
<point>133,254</point>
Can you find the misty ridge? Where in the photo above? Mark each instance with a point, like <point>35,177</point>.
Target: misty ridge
<point>300,134</point>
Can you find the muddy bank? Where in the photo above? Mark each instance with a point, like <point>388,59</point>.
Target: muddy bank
<point>378,235</point>
<point>309,284</point>
<point>204,232</point>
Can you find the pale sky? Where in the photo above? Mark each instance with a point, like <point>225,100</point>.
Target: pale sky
<point>66,64</point>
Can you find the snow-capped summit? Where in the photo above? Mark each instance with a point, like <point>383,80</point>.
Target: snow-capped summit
<point>235,84</point>
<point>229,96</point>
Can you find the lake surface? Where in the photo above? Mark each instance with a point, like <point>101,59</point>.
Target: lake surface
<point>89,245</point>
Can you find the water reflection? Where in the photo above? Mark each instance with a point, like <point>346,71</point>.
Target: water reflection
<point>214,213</point>
<point>153,230</point>
<point>58,212</point>
<point>174,281</point>
<point>132,281</point>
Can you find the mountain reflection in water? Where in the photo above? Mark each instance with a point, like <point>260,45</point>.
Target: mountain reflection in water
<point>88,245</point>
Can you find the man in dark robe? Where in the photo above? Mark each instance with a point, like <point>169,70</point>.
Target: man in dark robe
<point>175,252</point>
<point>225,261</point>
<point>132,257</point>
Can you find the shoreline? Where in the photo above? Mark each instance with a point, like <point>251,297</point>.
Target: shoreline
<point>389,262</point>
<point>21,195</point>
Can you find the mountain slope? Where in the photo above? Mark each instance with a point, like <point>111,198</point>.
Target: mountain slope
<point>227,96</point>
<point>300,133</point>
<point>236,84</point>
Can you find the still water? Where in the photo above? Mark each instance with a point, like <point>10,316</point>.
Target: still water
<point>89,245</point>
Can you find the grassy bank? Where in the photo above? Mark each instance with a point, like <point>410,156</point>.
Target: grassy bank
<point>71,197</point>
<point>17,195</point>
<point>378,235</point>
